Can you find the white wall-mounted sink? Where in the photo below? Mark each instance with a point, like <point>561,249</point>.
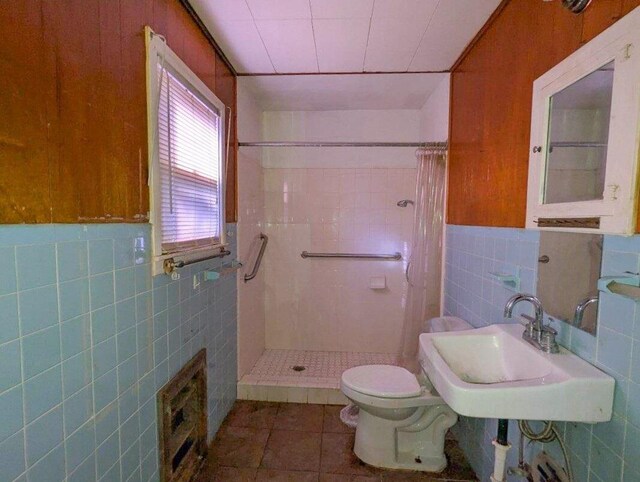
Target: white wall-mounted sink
<point>492,372</point>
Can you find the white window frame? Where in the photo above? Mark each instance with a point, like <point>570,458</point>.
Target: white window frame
<point>617,210</point>
<point>159,52</point>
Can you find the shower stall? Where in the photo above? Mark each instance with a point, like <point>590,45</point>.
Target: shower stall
<point>331,288</point>
<point>332,276</point>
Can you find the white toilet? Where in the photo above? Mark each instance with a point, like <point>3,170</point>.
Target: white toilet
<point>402,421</point>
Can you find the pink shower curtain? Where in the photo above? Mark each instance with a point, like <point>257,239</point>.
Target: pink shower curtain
<point>424,273</point>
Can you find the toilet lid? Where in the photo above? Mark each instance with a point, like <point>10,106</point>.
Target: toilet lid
<point>384,381</point>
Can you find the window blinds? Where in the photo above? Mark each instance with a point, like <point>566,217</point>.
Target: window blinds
<point>189,148</point>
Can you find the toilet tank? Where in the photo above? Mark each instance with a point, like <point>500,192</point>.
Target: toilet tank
<point>447,323</point>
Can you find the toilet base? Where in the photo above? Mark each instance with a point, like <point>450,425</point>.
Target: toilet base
<point>415,443</point>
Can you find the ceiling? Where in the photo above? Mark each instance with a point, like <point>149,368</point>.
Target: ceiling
<point>310,36</point>
<point>342,92</point>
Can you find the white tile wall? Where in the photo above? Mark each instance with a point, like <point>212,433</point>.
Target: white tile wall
<point>388,125</point>
<point>320,304</point>
<point>251,326</point>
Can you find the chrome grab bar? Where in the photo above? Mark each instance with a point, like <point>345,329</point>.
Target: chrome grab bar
<point>170,264</point>
<point>406,271</point>
<point>265,239</point>
<point>390,257</point>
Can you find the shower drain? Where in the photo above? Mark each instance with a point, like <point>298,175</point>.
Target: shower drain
<point>298,368</point>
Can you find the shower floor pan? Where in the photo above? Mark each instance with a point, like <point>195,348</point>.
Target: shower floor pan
<point>304,376</point>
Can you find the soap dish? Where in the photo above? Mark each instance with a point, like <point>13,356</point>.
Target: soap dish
<point>509,281</point>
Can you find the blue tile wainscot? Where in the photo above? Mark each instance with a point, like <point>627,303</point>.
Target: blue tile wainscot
<point>605,452</point>
<point>88,337</point>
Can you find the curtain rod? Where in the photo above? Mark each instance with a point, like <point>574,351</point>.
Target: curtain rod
<point>426,145</point>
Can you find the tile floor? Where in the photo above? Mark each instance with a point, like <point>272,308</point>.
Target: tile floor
<point>274,379</point>
<point>261,441</point>
<point>321,368</point>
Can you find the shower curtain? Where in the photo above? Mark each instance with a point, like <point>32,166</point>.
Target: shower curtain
<point>424,267</point>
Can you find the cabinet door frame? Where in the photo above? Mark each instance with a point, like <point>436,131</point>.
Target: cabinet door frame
<point>619,43</point>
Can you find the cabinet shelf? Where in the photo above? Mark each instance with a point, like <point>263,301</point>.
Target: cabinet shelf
<point>553,145</point>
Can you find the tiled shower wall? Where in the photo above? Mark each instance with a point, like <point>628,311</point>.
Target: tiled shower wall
<point>605,452</point>
<point>87,338</point>
<point>251,295</point>
<point>326,304</point>
<point>251,327</point>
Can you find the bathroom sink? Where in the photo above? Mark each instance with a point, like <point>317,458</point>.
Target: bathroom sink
<point>491,372</point>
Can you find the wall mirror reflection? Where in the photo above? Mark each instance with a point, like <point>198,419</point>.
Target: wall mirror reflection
<point>568,272</point>
<point>578,133</point>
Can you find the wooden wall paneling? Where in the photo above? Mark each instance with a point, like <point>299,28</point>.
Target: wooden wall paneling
<point>73,118</point>
<point>25,84</point>
<point>602,14</point>
<point>135,14</point>
<point>160,17</point>
<point>114,162</point>
<point>176,30</point>
<point>598,16</point>
<point>492,85</point>
<point>562,38</point>
<point>466,124</point>
<point>198,57</point>
<point>628,5</point>
<point>26,93</point>
<point>226,91</point>
<point>482,174</point>
<point>77,180</point>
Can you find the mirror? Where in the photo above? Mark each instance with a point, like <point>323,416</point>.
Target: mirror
<point>577,139</point>
<point>568,272</point>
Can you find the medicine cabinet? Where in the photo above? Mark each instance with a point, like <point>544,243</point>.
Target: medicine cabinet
<point>584,136</point>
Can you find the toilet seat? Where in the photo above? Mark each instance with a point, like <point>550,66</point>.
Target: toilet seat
<point>384,381</point>
<point>386,386</point>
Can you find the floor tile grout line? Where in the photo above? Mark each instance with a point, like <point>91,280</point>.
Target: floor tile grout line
<point>321,442</point>
<point>264,449</point>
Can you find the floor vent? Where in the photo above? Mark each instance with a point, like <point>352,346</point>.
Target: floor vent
<point>182,405</point>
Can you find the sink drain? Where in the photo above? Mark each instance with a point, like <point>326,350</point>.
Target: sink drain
<point>298,368</point>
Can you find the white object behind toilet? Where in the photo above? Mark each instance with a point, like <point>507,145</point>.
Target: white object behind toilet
<point>446,323</point>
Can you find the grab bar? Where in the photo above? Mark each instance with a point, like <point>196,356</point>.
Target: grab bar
<point>390,257</point>
<point>170,264</point>
<point>265,239</point>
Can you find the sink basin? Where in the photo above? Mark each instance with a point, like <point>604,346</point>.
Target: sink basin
<point>492,372</point>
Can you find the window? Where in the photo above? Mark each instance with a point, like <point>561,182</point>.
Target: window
<point>186,145</point>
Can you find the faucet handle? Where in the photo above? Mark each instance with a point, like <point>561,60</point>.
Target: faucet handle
<point>529,323</point>
<point>548,339</point>
<point>549,330</point>
<point>527,319</point>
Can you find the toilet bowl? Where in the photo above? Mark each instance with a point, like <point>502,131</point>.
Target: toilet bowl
<point>402,422</point>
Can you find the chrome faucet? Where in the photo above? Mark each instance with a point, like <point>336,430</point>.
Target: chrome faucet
<point>579,313</point>
<point>536,333</point>
<point>515,299</point>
